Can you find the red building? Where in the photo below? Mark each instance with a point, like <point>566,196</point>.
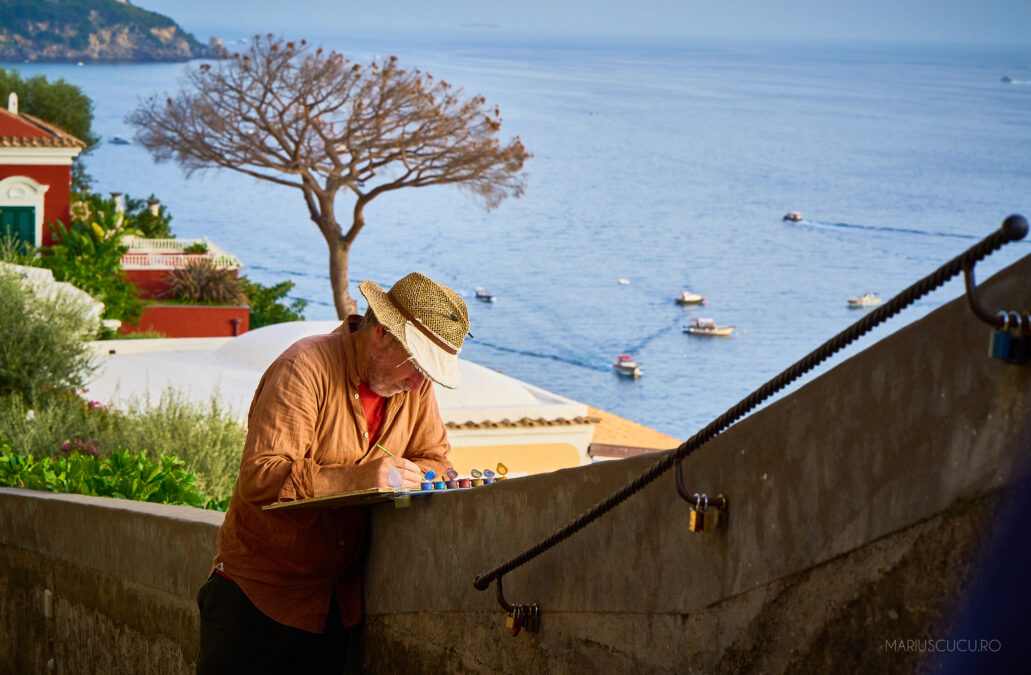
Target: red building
<point>35,175</point>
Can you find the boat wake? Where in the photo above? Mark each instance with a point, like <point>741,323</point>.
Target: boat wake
<point>890,230</point>
<point>550,357</point>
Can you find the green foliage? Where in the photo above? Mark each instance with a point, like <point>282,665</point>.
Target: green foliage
<point>43,344</point>
<point>121,474</point>
<point>196,247</point>
<point>208,438</point>
<point>201,282</point>
<point>266,308</point>
<point>17,252</point>
<point>139,217</point>
<point>89,256</point>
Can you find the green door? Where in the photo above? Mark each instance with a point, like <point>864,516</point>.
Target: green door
<point>19,223</point>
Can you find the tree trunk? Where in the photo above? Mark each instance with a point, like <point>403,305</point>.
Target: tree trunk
<point>339,251</point>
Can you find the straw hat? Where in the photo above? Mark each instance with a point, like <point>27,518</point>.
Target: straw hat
<point>428,319</point>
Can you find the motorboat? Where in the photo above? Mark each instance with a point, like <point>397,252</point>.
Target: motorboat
<point>793,216</point>
<point>708,327</point>
<point>689,298</point>
<point>118,140</point>
<point>623,282</point>
<point>865,300</point>
<point>625,365</point>
<point>483,294</point>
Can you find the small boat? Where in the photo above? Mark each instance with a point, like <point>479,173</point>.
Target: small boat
<point>624,365</point>
<point>689,298</point>
<point>118,140</point>
<point>865,300</point>
<point>708,327</point>
<point>483,294</point>
<point>623,282</point>
<point>1007,79</point>
<point>793,216</point>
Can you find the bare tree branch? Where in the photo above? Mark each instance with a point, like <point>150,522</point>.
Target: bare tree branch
<point>311,119</point>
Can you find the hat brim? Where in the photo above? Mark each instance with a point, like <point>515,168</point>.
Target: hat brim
<point>431,360</point>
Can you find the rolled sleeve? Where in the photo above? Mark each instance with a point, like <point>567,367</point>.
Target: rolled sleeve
<point>277,463</point>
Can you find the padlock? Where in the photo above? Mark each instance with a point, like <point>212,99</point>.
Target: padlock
<point>696,519</point>
<point>516,623</point>
<point>999,339</point>
<point>708,522</point>
<point>533,618</point>
<point>1018,347</point>
<point>719,514</point>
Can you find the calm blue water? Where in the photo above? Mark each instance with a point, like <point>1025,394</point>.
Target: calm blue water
<point>666,164</point>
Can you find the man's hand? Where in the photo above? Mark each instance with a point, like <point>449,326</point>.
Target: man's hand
<point>336,478</point>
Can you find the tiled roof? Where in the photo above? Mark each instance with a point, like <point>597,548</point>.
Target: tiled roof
<point>523,423</point>
<point>46,135</point>
<point>614,430</point>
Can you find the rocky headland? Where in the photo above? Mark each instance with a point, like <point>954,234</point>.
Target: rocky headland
<point>94,30</point>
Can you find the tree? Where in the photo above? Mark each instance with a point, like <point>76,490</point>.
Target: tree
<point>313,120</point>
<point>59,103</point>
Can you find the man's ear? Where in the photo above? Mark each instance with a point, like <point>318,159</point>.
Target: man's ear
<point>381,332</point>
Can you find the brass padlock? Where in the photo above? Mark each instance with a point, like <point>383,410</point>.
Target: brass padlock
<point>709,524</point>
<point>719,514</point>
<point>696,518</point>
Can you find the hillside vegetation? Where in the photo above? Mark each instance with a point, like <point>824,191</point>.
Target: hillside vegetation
<point>93,30</point>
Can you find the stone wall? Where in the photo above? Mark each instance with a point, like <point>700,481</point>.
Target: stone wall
<point>862,506</point>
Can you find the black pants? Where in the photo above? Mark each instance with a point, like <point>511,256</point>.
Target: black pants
<point>235,637</point>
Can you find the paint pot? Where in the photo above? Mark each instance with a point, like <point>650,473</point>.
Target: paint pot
<point>426,485</point>
<point>451,484</point>
<point>488,480</point>
<point>464,482</point>
<point>438,485</point>
<point>477,482</point>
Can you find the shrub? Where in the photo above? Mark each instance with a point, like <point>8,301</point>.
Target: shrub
<point>43,342</point>
<point>196,247</point>
<point>207,438</point>
<point>139,217</point>
<point>17,252</point>
<point>89,256</point>
<point>265,304</point>
<point>203,283</point>
<point>121,474</point>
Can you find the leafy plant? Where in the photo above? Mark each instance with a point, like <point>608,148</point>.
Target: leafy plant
<point>121,474</point>
<point>17,252</point>
<point>43,342</point>
<point>207,437</point>
<point>152,225</point>
<point>196,247</point>
<point>266,308</point>
<point>200,281</point>
<point>89,257</point>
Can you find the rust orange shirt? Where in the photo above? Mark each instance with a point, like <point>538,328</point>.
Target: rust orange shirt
<point>307,414</point>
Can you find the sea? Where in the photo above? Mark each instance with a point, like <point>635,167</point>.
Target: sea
<point>667,164</point>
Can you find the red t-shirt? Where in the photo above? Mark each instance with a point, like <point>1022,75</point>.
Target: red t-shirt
<point>373,405</point>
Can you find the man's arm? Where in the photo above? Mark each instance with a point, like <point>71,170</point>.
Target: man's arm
<point>277,463</point>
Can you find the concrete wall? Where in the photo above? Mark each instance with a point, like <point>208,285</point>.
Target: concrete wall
<point>861,506</point>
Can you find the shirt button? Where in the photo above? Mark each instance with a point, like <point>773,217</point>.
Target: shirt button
<point>343,542</point>
<point>356,395</point>
<point>366,434</point>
